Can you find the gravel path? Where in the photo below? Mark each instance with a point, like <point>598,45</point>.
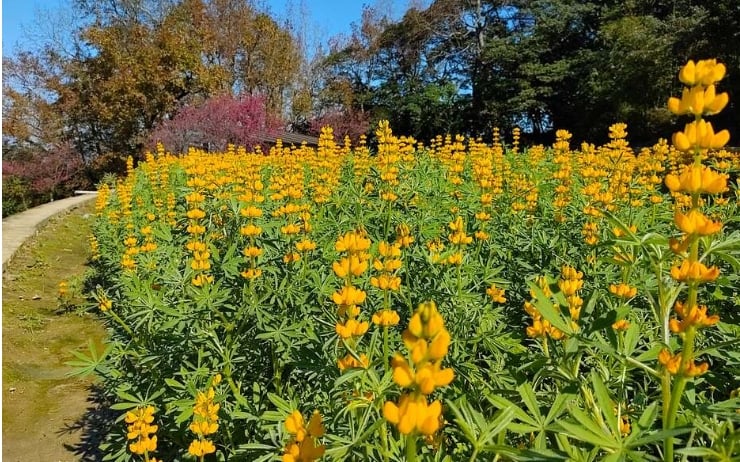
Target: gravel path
<point>19,227</point>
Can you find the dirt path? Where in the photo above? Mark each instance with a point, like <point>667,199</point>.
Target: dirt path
<point>44,411</point>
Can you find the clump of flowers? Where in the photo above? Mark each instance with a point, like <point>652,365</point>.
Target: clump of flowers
<point>141,432</point>
<point>458,238</point>
<point>496,294</point>
<point>349,328</point>
<point>427,342</point>
<point>302,446</point>
<point>205,421</point>
<point>387,281</point>
<point>540,328</point>
<point>570,283</point>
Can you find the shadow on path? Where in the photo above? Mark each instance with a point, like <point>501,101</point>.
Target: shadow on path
<point>93,426</point>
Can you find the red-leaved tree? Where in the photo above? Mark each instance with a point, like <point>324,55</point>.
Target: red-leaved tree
<point>345,122</point>
<point>219,121</point>
<point>45,172</point>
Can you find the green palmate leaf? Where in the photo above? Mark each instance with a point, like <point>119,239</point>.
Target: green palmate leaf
<point>89,364</point>
<point>589,430</point>
<point>582,433</point>
<point>529,423</point>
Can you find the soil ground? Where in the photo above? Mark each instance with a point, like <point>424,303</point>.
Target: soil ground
<point>46,413</point>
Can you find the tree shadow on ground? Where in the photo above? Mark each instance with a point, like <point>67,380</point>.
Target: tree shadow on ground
<point>92,427</point>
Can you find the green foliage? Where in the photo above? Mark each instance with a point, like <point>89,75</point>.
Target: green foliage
<point>16,195</point>
<point>595,394</point>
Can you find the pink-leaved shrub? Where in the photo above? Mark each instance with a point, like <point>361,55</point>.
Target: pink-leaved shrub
<point>217,122</point>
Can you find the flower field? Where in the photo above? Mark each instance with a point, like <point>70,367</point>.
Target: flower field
<point>455,300</point>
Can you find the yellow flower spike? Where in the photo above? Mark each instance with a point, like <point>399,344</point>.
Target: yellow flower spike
<point>203,427</point>
<point>251,273</point>
<point>389,250</point>
<point>403,376</point>
<point>455,259</point>
<point>344,331</point>
<point>431,422</point>
<point>623,290</point>
<point>434,324</point>
<point>292,452</point>
<point>704,72</point>
<point>693,101</point>
<point>349,362</point>
<point>105,304</point>
<point>442,377</point>
<point>250,230</point>
<point>693,370</point>
<point>305,245</point>
<point>251,212</point>
<point>392,265</point>
<point>408,413</point>
<point>425,380</point>
<point>687,74</point>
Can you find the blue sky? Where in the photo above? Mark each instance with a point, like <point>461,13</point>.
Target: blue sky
<point>329,17</point>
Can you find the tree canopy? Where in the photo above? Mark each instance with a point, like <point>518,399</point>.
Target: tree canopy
<point>466,66</point>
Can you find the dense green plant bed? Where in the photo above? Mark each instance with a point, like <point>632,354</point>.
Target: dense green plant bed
<point>457,301</point>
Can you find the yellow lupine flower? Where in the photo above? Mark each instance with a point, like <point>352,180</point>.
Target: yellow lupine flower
<point>696,222</point>
<point>250,230</point>
<point>251,212</point>
<point>305,245</point>
<point>386,318</point>
<point>414,414</point>
<point>496,294</point>
<point>352,242</point>
<point>698,101</point>
<point>700,134</point>
<point>350,362</point>
<point>695,316</point>
<point>623,290</point>
<point>349,265</point>
<point>252,252</point>
<point>703,72</point>
<point>251,273</point>
<point>694,271</point>
<point>352,328</point>
<point>200,448</point>
<point>386,282</point>
<point>349,295</point>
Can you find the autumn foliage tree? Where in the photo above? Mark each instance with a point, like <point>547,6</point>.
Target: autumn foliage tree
<point>219,121</point>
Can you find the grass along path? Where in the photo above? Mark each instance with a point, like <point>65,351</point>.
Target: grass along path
<point>44,410</point>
